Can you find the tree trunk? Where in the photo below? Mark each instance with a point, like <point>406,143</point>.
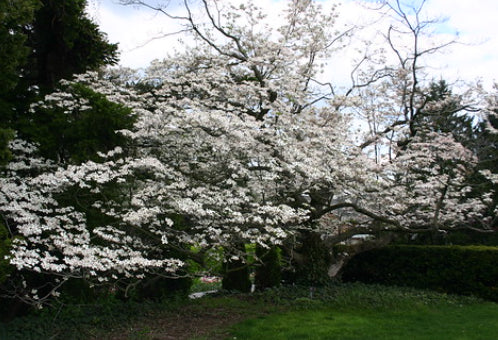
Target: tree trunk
<point>316,259</point>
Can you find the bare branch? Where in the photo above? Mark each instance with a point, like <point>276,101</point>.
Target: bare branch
<point>154,8</point>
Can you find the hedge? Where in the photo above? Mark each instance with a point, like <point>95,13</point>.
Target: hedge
<point>465,270</point>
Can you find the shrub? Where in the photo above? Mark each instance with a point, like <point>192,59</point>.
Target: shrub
<point>5,267</point>
<point>80,291</point>
<point>268,274</point>
<point>235,270</point>
<point>8,307</point>
<point>236,276</point>
<point>158,288</point>
<point>462,270</point>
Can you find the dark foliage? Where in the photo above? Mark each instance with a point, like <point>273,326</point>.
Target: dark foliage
<point>63,42</point>
<point>450,269</point>
<point>77,136</point>
<point>312,269</point>
<point>236,276</point>
<point>157,288</point>
<point>268,274</point>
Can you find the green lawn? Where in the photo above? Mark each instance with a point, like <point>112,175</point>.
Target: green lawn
<point>362,312</point>
<point>479,321</point>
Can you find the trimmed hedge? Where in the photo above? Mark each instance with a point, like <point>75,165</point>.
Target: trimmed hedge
<point>465,270</point>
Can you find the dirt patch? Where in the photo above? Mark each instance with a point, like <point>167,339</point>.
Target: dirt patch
<point>188,322</point>
<point>186,325</point>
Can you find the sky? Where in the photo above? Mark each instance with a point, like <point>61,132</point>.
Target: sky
<point>476,58</point>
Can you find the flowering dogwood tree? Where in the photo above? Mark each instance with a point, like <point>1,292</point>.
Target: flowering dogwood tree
<point>234,142</point>
<point>420,128</point>
<point>194,178</point>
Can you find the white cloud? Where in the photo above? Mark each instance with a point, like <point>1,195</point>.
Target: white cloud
<point>139,32</point>
<point>475,21</point>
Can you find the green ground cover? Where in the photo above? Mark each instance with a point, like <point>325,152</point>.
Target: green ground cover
<point>340,311</point>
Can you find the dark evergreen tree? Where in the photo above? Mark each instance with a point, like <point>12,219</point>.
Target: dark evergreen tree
<point>444,113</point>
<point>44,41</point>
<point>487,153</point>
<point>63,42</point>
<point>487,144</point>
<point>77,135</point>
<point>15,18</point>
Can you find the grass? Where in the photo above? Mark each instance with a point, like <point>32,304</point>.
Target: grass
<point>375,312</point>
<point>341,311</point>
<point>442,322</point>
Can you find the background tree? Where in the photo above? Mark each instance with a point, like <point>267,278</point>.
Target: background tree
<point>444,112</point>
<point>76,133</point>
<point>487,153</point>
<point>15,17</point>
<point>62,41</point>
